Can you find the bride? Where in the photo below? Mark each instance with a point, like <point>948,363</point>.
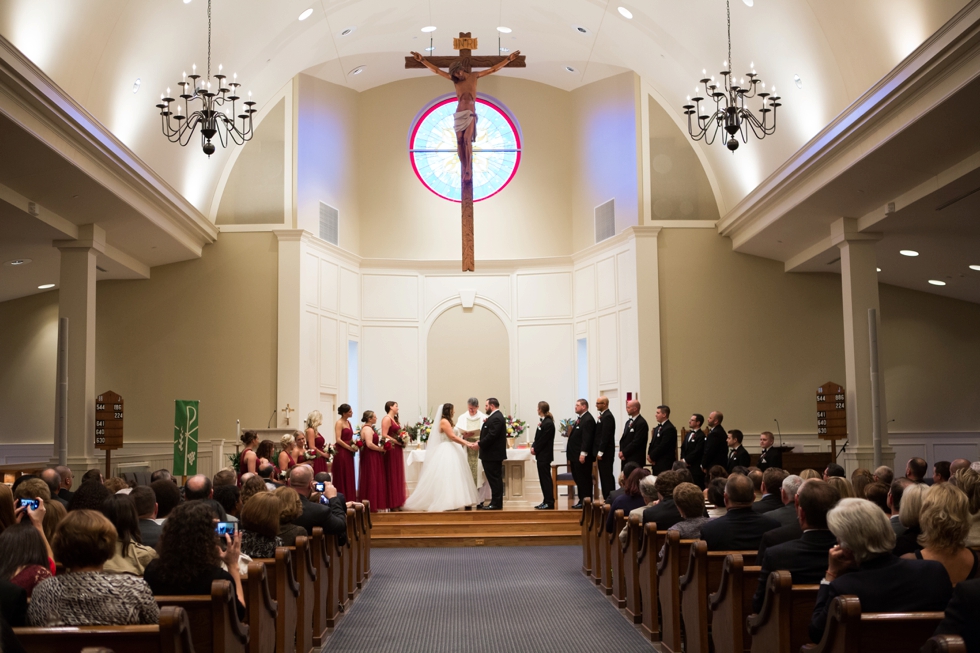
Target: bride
<point>446,482</point>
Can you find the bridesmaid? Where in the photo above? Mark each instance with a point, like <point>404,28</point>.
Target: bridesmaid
<point>395,460</point>
<point>372,465</point>
<point>265,453</point>
<point>247,460</point>
<point>343,464</point>
<point>321,461</point>
<point>300,450</point>
<point>286,462</point>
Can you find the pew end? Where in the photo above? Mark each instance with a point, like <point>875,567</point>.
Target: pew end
<point>261,610</point>
<point>214,623</point>
<point>783,622</point>
<point>848,630</point>
<point>172,635</point>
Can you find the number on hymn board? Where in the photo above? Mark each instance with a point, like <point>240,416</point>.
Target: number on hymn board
<point>99,440</point>
<point>821,414</point>
<point>821,397</point>
<point>117,415</point>
<point>821,431</point>
<point>839,405</point>
<point>99,406</point>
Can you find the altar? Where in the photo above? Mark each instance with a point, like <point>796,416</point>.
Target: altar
<point>515,473</point>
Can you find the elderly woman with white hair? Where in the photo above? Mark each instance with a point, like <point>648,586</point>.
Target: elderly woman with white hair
<point>648,490</point>
<point>862,564</point>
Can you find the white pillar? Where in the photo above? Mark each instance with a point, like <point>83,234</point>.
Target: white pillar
<point>648,317</point>
<point>859,280</point>
<point>76,301</point>
<point>289,376</point>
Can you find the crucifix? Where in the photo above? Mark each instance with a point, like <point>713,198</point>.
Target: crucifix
<point>287,410</point>
<point>464,120</point>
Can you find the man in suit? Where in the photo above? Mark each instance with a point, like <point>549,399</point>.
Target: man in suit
<point>806,557</point>
<point>579,450</point>
<point>664,513</point>
<point>493,452</point>
<point>786,514</point>
<point>53,480</point>
<point>769,457</point>
<point>663,442</point>
<point>894,501</point>
<point>772,483</point>
<point>633,444</point>
<point>692,448</point>
<point>737,455</point>
<point>740,529</point>
<point>543,450</point>
<point>605,446</point>
<point>146,507</point>
<point>915,470</point>
<point>963,615</point>
<point>715,450</point>
<point>65,493</point>
<point>332,518</point>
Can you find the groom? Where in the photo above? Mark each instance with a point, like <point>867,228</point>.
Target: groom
<point>493,451</point>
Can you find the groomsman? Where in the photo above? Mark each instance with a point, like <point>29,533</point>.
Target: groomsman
<point>634,441</point>
<point>692,448</point>
<point>737,455</point>
<point>605,446</point>
<point>715,449</point>
<point>663,443</point>
<point>579,450</point>
<point>769,457</point>
<point>543,451</point>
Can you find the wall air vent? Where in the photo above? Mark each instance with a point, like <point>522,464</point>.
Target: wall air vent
<point>329,224</point>
<point>605,221</point>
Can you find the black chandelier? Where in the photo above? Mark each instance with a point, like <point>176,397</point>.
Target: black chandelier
<point>730,112</point>
<point>218,108</point>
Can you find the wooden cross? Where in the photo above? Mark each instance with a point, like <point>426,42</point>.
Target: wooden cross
<point>466,44</point>
<point>288,410</point>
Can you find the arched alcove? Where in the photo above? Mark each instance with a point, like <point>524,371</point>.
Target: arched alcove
<point>468,355</point>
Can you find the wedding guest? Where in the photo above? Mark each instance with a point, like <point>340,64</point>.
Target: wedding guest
<point>915,470</point>
<point>89,496</point>
<point>230,498</point>
<point>664,513</point>
<point>633,443</point>
<point>843,486</point>
<point>715,495</point>
<point>604,447</point>
<point>968,480</point>
<point>692,448</point>
<point>963,615</point>
<point>198,487</point>
<point>940,472</point>
<point>624,474</point>
<point>92,476</point>
<point>53,479</point>
<point>663,442</point>
<point>290,509</point>
<point>690,505</point>
<point>877,493</point>
<point>253,486</point>
<point>740,528</point>
<point>115,484</point>
<point>26,558</point>
<point>772,483</point>
<point>630,499</point>
<point>266,474</point>
<point>264,454</point>
<point>145,501</point>
<point>190,556</point>
<point>260,526</point>
<point>884,474</point>
<point>807,474</point>
<point>543,450</point>
<point>54,513</point>
<point>717,471</point>
<point>131,555</point>
<point>162,474</point>
<point>226,476</point>
<point>372,473</point>
<point>331,517</point>
<point>786,514</point>
<point>860,479</point>
<point>394,461</point>
<point>316,443</point>
<point>66,480</point>
<point>756,477</point>
<point>912,499</point>
<point>7,518</point>
<point>248,458</point>
<point>945,523</point>
<point>648,490</point>
<point>86,595</point>
<point>167,495</point>
<point>833,469</point>
<point>894,500</point>
<point>343,462</point>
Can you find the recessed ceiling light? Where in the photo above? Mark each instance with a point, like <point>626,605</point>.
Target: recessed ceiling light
<point>749,3</point>
<point>937,282</point>
<point>799,82</point>
<point>347,31</point>
<point>45,286</point>
<point>136,84</point>
<point>357,71</point>
<point>18,261</point>
<point>580,29</point>
<point>504,30</point>
<point>879,269</point>
<point>187,2</point>
<point>975,267</point>
<point>306,14</point>
<point>569,69</point>
<point>429,28</point>
<point>625,13</point>
<point>908,252</point>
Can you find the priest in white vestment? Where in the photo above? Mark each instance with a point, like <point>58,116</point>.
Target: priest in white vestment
<point>468,427</point>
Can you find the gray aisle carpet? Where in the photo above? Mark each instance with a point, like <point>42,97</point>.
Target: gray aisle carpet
<point>494,599</point>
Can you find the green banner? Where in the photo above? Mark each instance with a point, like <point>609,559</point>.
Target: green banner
<point>185,437</point>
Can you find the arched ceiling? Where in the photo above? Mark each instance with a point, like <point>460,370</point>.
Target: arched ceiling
<point>95,50</point>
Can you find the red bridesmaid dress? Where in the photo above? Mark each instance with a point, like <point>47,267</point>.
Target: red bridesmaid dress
<point>343,466</point>
<point>373,478</point>
<point>395,470</point>
<point>320,463</point>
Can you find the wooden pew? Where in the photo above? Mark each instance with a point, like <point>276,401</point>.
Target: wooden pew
<point>214,623</point>
<point>850,631</point>
<point>306,577</point>
<point>668,586</point>
<point>281,573</point>
<point>585,521</point>
<point>261,610</point>
<point>631,570</point>
<point>172,635</point>
<point>360,526</point>
<point>596,518</point>
<point>945,644</point>
<point>605,550</point>
<point>325,604</point>
<point>617,561</point>
<point>369,524</point>
<point>703,572</point>
<point>731,604</point>
<point>783,622</point>
<point>353,551</point>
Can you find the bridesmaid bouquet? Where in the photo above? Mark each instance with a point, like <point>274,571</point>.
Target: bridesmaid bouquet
<point>331,451</point>
<point>565,427</point>
<point>387,446</point>
<point>404,438</point>
<point>357,444</point>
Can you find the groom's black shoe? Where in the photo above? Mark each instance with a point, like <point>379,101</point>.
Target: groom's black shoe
<point>577,506</point>
<point>483,506</point>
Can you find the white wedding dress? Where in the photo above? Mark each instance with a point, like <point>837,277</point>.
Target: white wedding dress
<point>445,482</point>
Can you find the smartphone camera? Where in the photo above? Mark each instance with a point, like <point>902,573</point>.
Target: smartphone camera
<point>319,487</point>
<point>324,500</point>
<point>226,528</point>
<point>32,504</point>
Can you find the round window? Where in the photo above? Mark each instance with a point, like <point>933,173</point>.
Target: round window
<point>496,152</point>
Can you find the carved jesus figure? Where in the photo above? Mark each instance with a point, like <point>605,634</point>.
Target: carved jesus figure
<point>464,120</point>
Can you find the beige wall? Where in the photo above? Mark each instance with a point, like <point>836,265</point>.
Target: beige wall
<point>28,363</point>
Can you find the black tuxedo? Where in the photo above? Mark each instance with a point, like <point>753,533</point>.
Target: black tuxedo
<point>332,518</point>
<point>887,584</point>
<point>738,457</point>
<point>582,439</point>
<point>493,452</point>
<point>665,514</point>
<point>771,457</point>
<point>768,503</point>
<point>805,559</point>
<point>633,444</point>
<point>740,529</point>
<point>692,451</point>
<point>605,444</point>
<point>544,453</point>
<point>963,615</point>
<point>715,449</point>
<point>663,447</point>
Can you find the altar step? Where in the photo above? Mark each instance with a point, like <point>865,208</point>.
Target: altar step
<point>476,528</point>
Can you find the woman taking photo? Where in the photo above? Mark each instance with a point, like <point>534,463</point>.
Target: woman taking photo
<point>394,462</point>
<point>25,555</point>
<point>372,486</point>
<point>343,463</point>
<point>248,459</point>
<point>316,443</point>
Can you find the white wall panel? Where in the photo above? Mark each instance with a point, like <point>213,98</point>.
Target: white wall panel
<point>328,286</point>
<point>350,293</point>
<point>309,347</point>
<point>389,297</point>
<point>328,352</point>
<point>626,268</point>
<point>629,356</point>
<point>495,288</point>
<point>585,290</point>
<point>608,350</point>
<point>544,295</point>
<point>605,272</point>
<point>546,370</point>
<point>310,279</point>
<point>390,368</point>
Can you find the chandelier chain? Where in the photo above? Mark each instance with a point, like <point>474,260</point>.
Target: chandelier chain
<point>209,40</point>
<point>728,6</point>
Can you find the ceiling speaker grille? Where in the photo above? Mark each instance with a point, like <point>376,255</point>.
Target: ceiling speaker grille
<point>605,221</point>
<point>329,224</point>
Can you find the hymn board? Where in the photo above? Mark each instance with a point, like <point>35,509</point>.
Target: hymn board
<point>108,424</point>
<point>831,414</point>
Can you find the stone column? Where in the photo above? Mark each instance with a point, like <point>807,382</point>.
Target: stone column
<point>859,279</point>
<point>76,301</point>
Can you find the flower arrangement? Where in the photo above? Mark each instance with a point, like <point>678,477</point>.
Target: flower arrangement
<point>515,427</point>
<point>420,430</point>
<point>565,427</point>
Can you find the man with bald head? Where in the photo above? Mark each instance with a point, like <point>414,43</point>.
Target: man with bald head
<point>715,443</point>
<point>332,517</point>
<point>663,442</point>
<point>198,487</point>
<point>65,492</point>
<point>741,528</point>
<point>957,465</point>
<point>633,444</point>
<point>53,479</point>
<point>605,446</point>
